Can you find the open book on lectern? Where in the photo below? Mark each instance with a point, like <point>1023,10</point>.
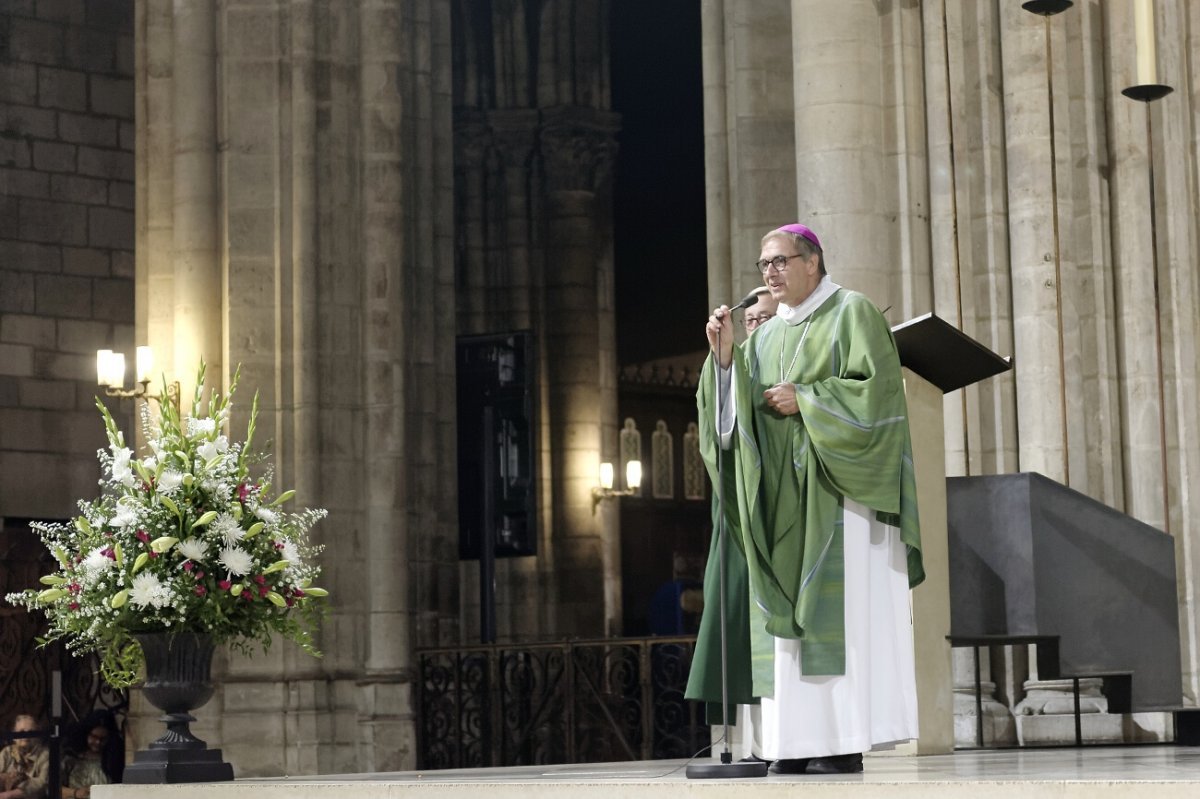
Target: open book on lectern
<point>944,355</point>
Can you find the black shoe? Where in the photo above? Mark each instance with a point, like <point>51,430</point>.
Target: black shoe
<point>837,764</point>
<point>790,766</point>
<point>753,758</point>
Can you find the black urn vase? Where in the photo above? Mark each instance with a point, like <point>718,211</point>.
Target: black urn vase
<point>177,682</point>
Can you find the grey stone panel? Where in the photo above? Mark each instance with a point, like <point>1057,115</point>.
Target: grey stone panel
<point>53,222</point>
<point>35,42</point>
<point>78,189</point>
<point>84,129</point>
<point>16,292</point>
<point>1029,556</point>
<point>35,331</point>
<point>29,257</point>
<point>24,183</point>
<point>91,51</point>
<point>110,228</point>
<point>114,164</point>
<point>61,296</point>
<point>62,88</point>
<point>26,120</point>
<point>113,299</point>
<point>18,83</point>
<point>112,96</point>
<point>69,11</point>
<point>116,17</point>
<point>53,156</point>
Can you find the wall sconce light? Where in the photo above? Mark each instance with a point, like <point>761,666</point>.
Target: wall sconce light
<point>633,482</point>
<point>110,373</point>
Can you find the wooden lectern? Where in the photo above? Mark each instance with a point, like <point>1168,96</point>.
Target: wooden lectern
<point>937,358</point>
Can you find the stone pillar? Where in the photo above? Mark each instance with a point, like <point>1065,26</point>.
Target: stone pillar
<point>1033,245</point>
<point>577,150</point>
<point>968,204</point>
<point>197,264</point>
<point>749,150</point>
<point>1047,713</point>
<point>339,300</point>
<point>381,40</point>
<point>998,728</point>
<point>841,181</point>
<point>1179,237</point>
<point>154,285</point>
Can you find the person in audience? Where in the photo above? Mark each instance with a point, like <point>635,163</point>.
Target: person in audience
<point>24,763</point>
<point>88,760</point>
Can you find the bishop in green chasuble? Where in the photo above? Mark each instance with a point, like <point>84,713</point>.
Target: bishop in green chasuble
<point>814,419</point>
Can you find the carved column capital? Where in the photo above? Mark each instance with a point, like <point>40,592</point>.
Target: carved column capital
<point>515,134</point>
<point>578,148</point>
<point>472,137</point>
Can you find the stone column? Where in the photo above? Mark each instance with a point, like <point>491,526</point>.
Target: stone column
<point>841,180</point>
<point>968,207</point>
<point>906,159</point>
<point>197,264</point>
<point>577,148</point>
<point>749,149</point>
<point>322,123</point>
<point>154,290</point>
<point>998,728</point>
<point>384,380</point>
<point>1033,244</point>
<point>1178,237</point>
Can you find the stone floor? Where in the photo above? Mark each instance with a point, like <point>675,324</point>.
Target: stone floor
<point>1152,772</point>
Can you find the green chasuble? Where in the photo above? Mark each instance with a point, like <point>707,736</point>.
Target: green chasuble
<point>785,480</point>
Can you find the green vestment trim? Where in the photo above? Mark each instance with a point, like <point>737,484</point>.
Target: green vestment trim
<point>786,477</point>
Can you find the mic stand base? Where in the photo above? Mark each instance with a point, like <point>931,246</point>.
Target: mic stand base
<point>727,771</point>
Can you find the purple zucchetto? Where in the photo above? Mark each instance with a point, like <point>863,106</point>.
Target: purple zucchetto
<point>802,230</point>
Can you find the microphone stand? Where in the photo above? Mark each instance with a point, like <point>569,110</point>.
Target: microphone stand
<point>726,769</point>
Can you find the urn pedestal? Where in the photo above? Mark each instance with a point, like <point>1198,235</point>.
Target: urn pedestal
<point>177,681</point>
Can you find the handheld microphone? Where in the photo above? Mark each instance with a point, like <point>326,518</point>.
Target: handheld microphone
<point>750,298</point>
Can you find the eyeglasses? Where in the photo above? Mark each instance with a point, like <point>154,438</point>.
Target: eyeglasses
<point>751,322</point>
<point>779,262</point>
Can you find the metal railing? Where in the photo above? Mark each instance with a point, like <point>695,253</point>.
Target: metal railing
<point>566,702</point>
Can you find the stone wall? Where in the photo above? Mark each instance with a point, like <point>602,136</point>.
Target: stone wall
<point>66,241</point>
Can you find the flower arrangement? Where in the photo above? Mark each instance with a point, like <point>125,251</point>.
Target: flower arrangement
<point>181,540</point>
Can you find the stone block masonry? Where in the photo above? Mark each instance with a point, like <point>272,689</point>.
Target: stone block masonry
<point>66,239</point>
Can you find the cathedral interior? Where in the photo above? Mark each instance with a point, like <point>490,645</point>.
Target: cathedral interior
<point>418,226</point>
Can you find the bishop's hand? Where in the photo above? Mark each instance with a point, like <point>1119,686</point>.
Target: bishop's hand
<point>781,398</point>
<point>721,323</point>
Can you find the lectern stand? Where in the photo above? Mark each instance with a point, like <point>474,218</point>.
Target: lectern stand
<point>937,359</point>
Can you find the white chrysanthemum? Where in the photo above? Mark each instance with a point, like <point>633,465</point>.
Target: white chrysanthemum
<point>201,427</point>
<point>236,561</point>
<point>192,549</point>
<point>95,564</point>
<point>290,553</point>
<point>148,590</point>
<point>169,481</point>
<point>121,470</point>
<point>126,516</point>
<point>228,528</point>
<point>266,514</point>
